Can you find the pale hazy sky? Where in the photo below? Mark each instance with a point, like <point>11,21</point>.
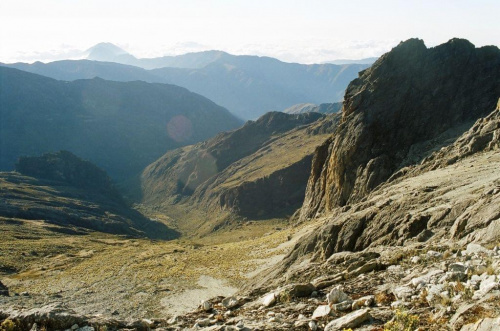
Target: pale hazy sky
<point>305,31</point>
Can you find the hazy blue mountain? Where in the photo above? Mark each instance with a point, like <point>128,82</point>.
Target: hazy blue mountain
<point>120,126</point>
<point>248,86</point>
<point>368,60</point>
<point>108,52</point>
<point>87,69</point>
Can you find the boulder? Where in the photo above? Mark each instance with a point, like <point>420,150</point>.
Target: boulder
<point>269,300</point>
<point>351,320</point>
<point>230,302</point>
<point>484,324</point>
<point>336,295</point>
<point>321,311</point>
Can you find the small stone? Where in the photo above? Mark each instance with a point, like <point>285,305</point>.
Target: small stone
<point>343,306</point>
<point>269,300</point>
<point>230,302</point>
<point>351,320</point>
<point>415,259</point>
<point>74,327</point>
<point>313,326</point>
<point>476,249</point>
<point>484,324</point>
<point>396,304</point>
<point>206,305</point>
<point>321,311</point>
<point>337,295</point>
<point>25,294</point>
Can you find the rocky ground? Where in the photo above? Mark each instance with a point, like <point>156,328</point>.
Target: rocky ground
<point>443,287</point>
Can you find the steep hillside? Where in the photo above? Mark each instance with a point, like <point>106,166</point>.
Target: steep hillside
<point>249,86</point>
<point>61,189</point>
<point>257,171</point>
<point>410,101</point>
<point>121,127</point>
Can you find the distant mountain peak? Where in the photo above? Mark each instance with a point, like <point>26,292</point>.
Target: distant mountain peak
<point>107,52</point>
<point>108,47</point>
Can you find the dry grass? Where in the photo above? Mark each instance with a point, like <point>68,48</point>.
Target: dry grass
<point>55,262</point>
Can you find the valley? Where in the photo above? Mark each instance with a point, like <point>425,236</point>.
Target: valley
<point>380,213</point>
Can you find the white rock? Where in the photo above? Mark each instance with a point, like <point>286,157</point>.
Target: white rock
<point>403,292</point>
<point>485,324</point>
<point>396,304</point>
<point>337,295</point>
<point>313,326</point>
<point>426,278</point>
<point>488,284</point>
<point>476,249</point>
<point>230,302</point>
<point>351,320</point>
<point>415,259</point>
<point>269,300</point>
<point>434,291</point>
<point>206,305</point>
<point>321,311</point>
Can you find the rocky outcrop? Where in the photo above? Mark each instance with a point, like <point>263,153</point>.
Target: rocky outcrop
<point>483,136</point>
<point>409,98</point>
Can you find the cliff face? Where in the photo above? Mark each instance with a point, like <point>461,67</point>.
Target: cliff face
<point>395,112</point>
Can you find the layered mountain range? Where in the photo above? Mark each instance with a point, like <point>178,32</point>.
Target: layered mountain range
<point>120,126</point>
<point>248,86</point>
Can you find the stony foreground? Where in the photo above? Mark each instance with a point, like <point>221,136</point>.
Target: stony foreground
<point>443,288</point>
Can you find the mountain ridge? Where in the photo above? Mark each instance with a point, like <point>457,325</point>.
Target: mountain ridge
<point>40,114</point>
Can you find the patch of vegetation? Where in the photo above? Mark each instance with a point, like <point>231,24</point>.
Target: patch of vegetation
<point>402,321</point>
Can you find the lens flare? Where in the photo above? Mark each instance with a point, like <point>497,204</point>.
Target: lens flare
<point>180,128</point>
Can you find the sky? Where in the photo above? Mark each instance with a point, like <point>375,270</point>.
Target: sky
<point>304,31</point>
